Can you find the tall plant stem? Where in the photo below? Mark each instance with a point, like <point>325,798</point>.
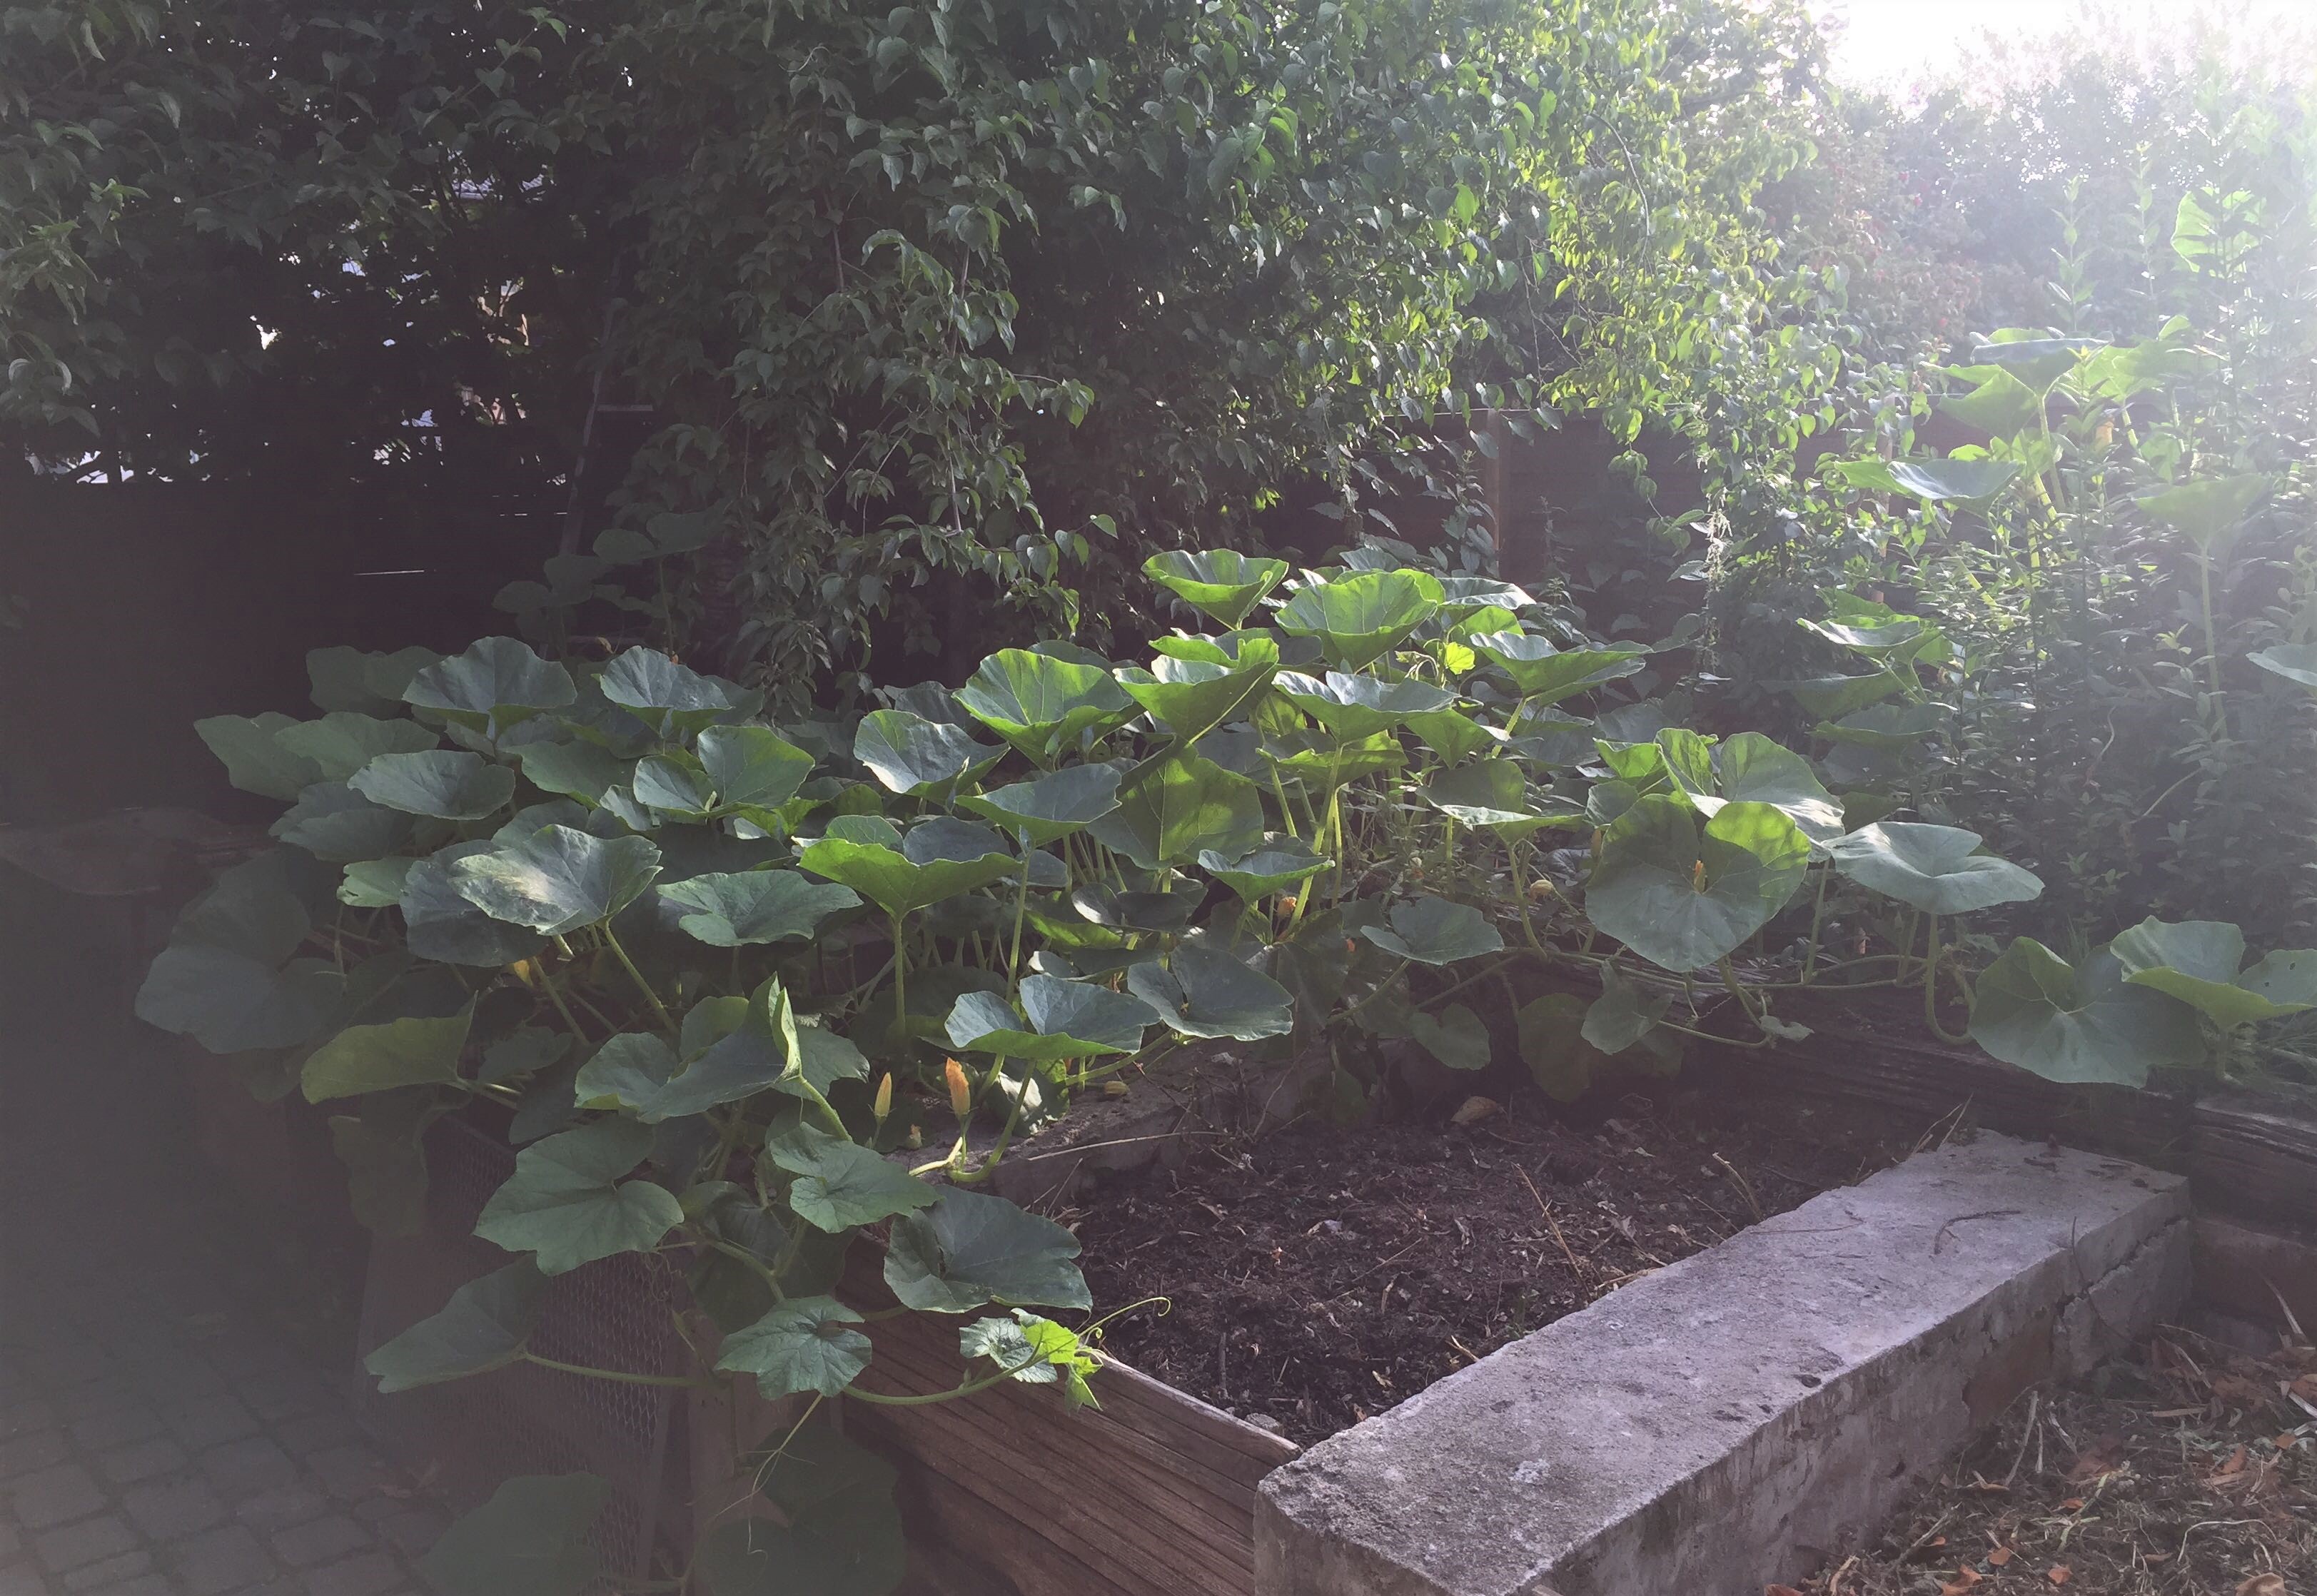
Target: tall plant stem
<point>900,979</point>
<point>667,1020</point>
<point>1932,990</point>
<point>1818,918</point>
<point>1021,911</point>
<point>2212,643</point>
<point>555,996</point>
<point>619,1375</point>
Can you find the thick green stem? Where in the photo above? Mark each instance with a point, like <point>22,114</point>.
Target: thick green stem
<point>1818,918</point>
<point>967,1389</point>
<point>619,1375</point>
<point>667,1020</point>
<point>2212,643</point>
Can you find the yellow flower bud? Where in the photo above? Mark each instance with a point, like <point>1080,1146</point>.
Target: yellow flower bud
<point>884,1105</point>
<point>960,1090</point>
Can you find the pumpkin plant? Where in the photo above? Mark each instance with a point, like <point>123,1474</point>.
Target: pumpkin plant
<point>739,993</point>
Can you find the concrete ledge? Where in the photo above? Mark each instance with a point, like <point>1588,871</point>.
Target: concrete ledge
<point>1740,1416</point>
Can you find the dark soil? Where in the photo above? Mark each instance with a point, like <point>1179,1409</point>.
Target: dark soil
<point>2187,1470</point>
<point>1319,1275</point>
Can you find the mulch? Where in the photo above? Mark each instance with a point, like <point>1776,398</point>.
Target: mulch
<point>1318,1276</point>
<point>2187,1469</point>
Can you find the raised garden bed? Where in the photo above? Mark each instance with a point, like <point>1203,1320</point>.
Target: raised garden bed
<point>1315,1278</point>
<point>2188,1468</point>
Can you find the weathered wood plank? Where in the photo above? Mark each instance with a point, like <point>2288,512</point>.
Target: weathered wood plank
<point>2250,1272</point>
<point>1151,1494</point>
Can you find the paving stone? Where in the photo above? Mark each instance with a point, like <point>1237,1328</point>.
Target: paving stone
<point>111,1572</point>
<point>21,1415</point>
<point>55,1496</point>
<point>348,1473</point>
<point>24,1580</point>
<point>143,1460</point>
<point>279,1510</point>
<point>101,1432</point>
<point>373,1573</point>
<point>308,1544</point>
<point>11,1543</point>
<point>249,1467</point>
<point>318,1431</point>
<point>207,1420</point>
<point>414,1530</point>
<point>145,1584</point>
<point>219,1560</point>
<point>172,1508</point>
<point>244,1354</point>
<point>26,1453</point>
<point>97,1396</point>
<point>90,1540</point>
<point>282,1392</point>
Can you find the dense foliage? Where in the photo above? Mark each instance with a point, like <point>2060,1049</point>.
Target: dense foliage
<point>992,294</point>
<point>707,971</point>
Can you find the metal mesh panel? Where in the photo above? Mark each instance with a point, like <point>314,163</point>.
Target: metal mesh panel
<point>614,1314</point>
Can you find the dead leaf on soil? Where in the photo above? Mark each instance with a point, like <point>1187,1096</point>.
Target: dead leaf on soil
<point>1961,1585</point>
<point>2229,1469</point>
<point>1998,1557</point>
<point>2263,1584</point>
<point>1475,1109</point>
<point>2059,1574</point>
<point>1782,1590</point>
<point>2098,1458</point>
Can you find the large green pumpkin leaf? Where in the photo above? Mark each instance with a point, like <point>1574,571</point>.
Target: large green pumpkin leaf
<point>407,1051</point>
<point>1938,869</point>
<point>2209,512</point>
<point>673,700</point>
<point>1831,698</point>
<point>745,908</point>
<point>896,882</point>
<point>841,1184</point>
<point>1051,806</point>
<point>1891,727</point>
<point>255,759</point>
<point>1186,806</point>
<point>1039,704</point>
<point>1273,868</point>
<point>1207,991</point>
<point>914,756</point>
<point>447,784</point>
<point>529,1540</point>
<point>2071,1023</point>
<point>332,822</point>
<point>2295,662</point>
<point>1751,769</point>
<point>566,1204</point>
<point>1552,1045</point>
<point>1941,480</point>
<point>1428,930</point>
<point>342,742</point>
<point>1456,1036</point>
<point>585,770</point>
<point>363,683</point>
<point>1625,1012</point>
<point>806,1344</point>
<point>495,684</point>
<point>558,879</point>
<point>1684,901</point>
<point>229,1002</point>
<point>1357,619</point>
<point>1352,707</point>
<point>1222,583</point>
<point>1067,1020</point>
<point>1543,673</point>
<point>969,1248</point>
<point>483,1327</point>
<point>2197,962</point>
<point>752,766</point>
<point>441,923</point>
<point>2000,404</point>
<point>1193,696</point>
<point>1491,792</point>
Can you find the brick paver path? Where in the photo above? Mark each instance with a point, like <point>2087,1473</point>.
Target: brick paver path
<point>156,1437</point>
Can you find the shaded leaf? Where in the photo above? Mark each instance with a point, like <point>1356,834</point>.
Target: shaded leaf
<point>566,1204</point>
<point>969,1248</point>
<point>483,1327</point>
